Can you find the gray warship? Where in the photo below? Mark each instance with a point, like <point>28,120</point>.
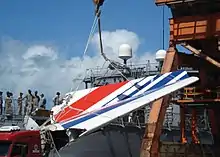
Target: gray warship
<point>123,137</point>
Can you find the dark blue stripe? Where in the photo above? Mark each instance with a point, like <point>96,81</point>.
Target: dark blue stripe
<point>123,92</point>
<point>166,79</point>
<point>122,96</point>
<point>184,77</point>
<point>160,83</point>
<point>92,115</point>
<point>137,86</point>
<point>141,87</point>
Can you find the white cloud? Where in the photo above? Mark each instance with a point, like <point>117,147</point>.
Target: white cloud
<point>41,67</point>
<point>112,41</point>
<point>40,52</point>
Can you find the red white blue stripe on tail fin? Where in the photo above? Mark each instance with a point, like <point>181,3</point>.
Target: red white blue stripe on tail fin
<point>98,118</point>
<point>85,101</point>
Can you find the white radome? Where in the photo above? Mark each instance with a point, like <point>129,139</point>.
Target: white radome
<point>160,55</point>
<point>125,52</point>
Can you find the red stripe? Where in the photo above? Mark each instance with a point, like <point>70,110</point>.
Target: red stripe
<point>87,101</point>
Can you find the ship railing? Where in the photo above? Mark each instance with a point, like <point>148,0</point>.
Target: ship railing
<point>100,76</point>
<point>193,93</point>
<point>141,67</point>
<point>15,111</point>
<point>138,119</point>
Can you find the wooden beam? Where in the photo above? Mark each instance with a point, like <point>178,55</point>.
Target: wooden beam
<point>170,2</point>
<point>173,2</point>
<point>197,52</point>
<point>150,143</point>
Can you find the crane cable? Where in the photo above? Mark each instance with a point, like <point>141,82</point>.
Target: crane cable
<point>98,13</point>
<point>100,36</point>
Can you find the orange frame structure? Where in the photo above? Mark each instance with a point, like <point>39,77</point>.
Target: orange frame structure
<point>199,29</point>
<point>194,27</point>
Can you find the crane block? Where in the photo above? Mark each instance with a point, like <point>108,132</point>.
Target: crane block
<point>98,2</point>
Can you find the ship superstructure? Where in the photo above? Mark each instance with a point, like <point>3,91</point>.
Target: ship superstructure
<point>102,76</point>
<point>123,136</point>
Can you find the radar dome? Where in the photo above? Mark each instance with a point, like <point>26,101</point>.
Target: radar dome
<point>160,55</point>
<point>125,52</point>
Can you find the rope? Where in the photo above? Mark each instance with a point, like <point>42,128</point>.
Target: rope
<point>90,35</point>
<point>76,109</point>
<point>94,25</point>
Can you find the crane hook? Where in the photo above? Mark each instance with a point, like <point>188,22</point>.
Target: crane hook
<point>98,2</point>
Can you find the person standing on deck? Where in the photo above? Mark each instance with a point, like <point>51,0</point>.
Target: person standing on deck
<point>20,102</point>
<point>42,101</point>
<point>56,99</point>
<point>8,104</point>
<point>36,101</point>
<point>13,103</point>
<point>28,103</point>
<point>1,103</point>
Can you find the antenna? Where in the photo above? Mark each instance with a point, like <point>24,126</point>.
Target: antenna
<point>163,18</point>
<point>160,56</point>
<point>125,52</point>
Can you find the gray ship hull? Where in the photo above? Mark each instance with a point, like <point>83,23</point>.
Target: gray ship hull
<point>117,141</point>
<point>114,141</point>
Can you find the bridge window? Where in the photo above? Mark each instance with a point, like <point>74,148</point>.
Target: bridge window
<point>4,148</point>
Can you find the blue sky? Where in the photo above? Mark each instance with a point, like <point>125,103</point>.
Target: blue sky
<point>67,24</point>
<point>36,33</point>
